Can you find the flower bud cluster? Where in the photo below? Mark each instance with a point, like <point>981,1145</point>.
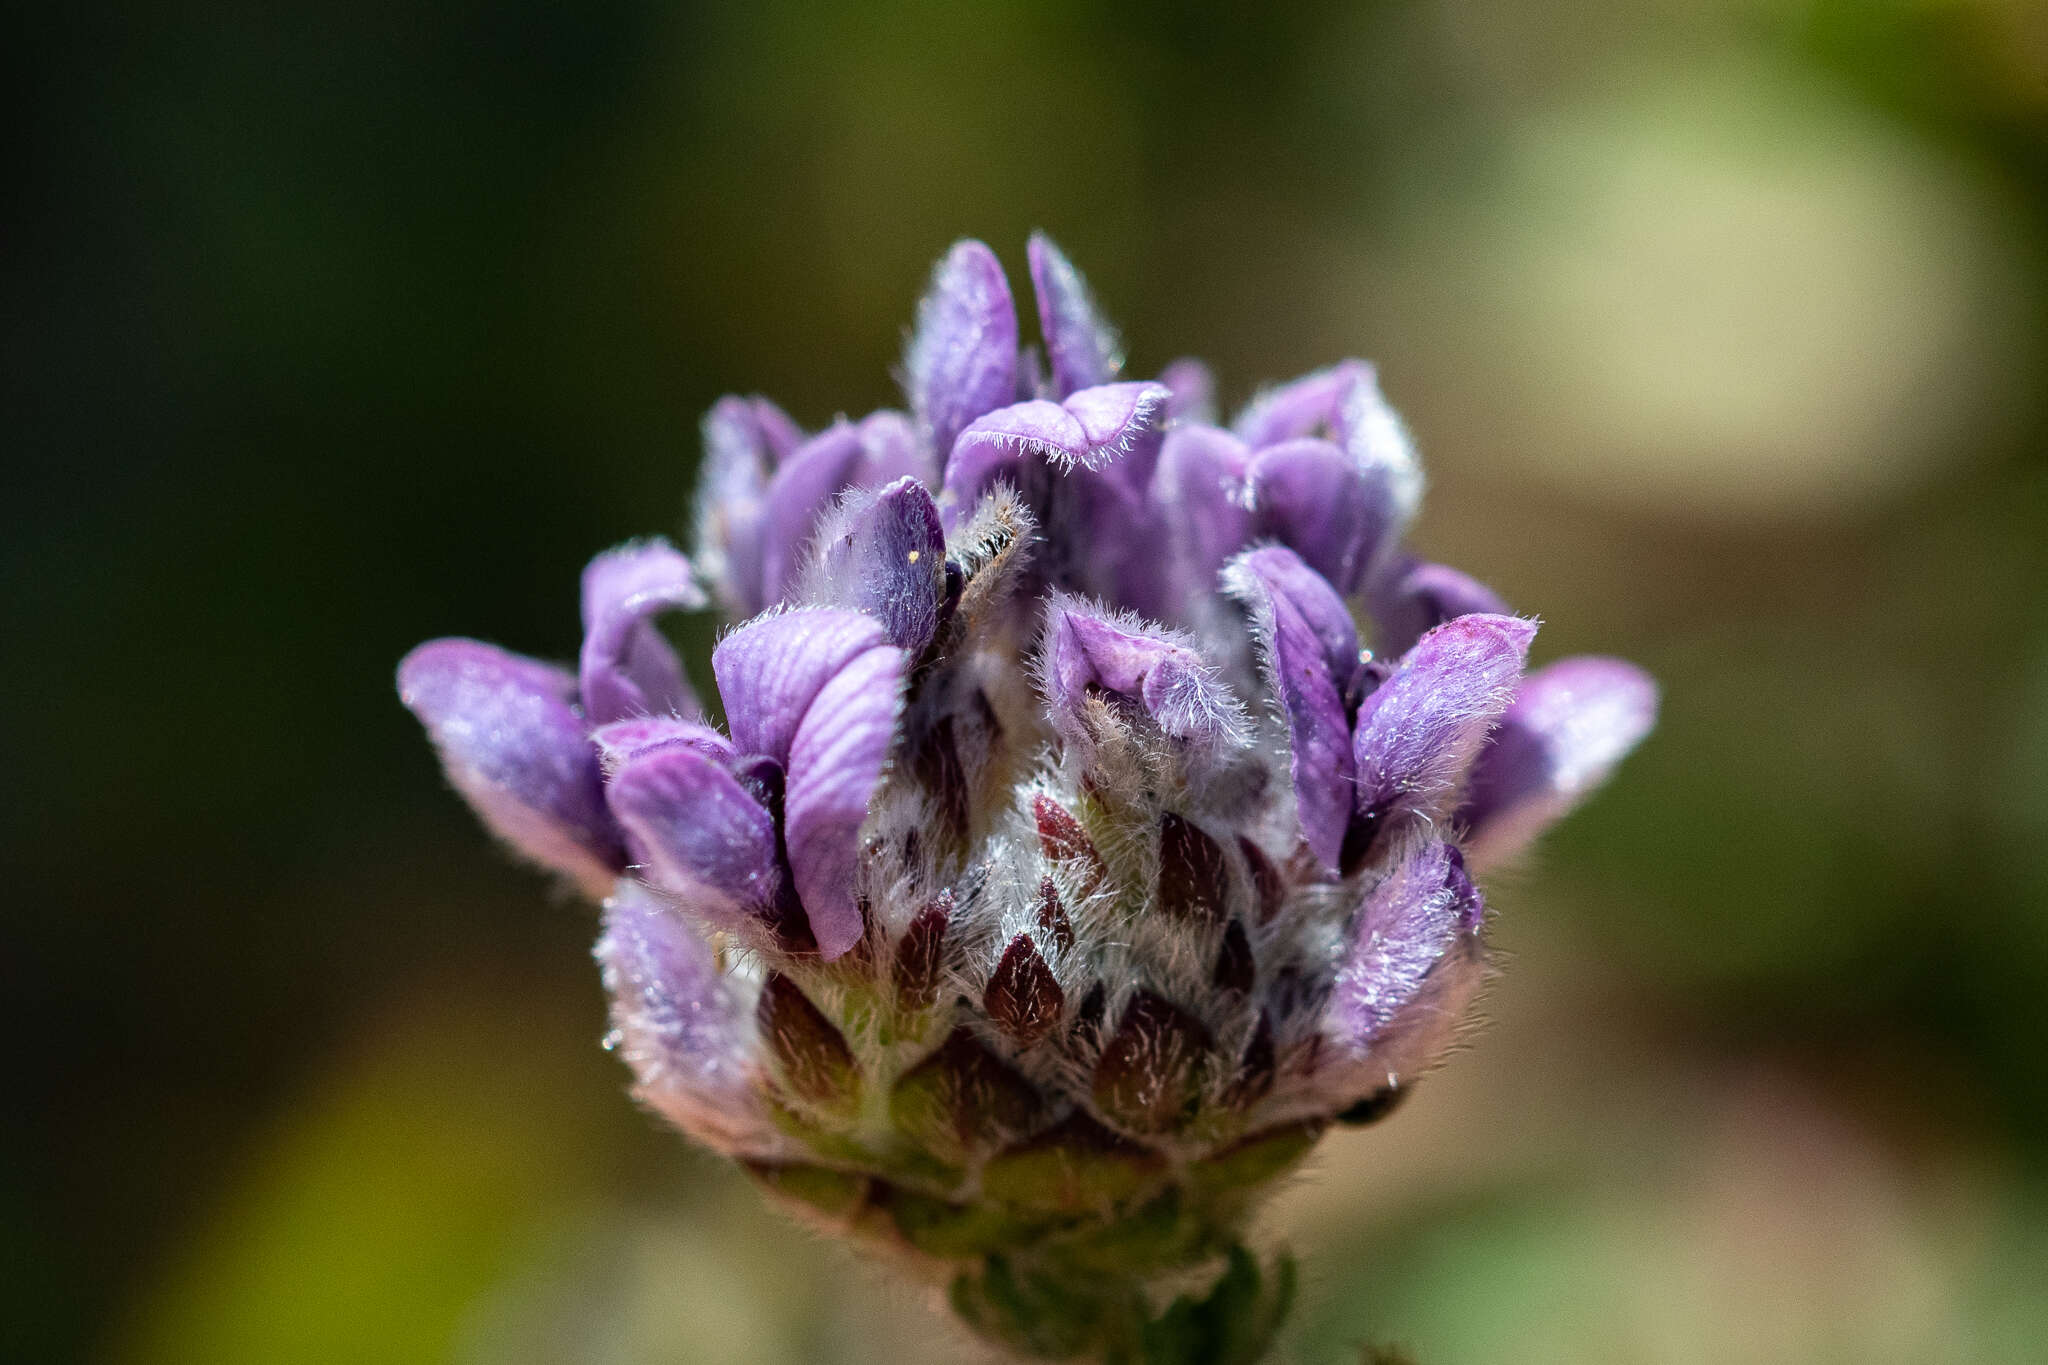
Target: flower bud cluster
<point>1094,819</point>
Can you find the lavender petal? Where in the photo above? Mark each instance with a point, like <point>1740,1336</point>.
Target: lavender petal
<point>744,440</point>
<point>1418,734</point>
<point>800,493</point>
<point>1092,428</point>
<point>623,740</point>
<point>771,669</point>
<point>962,360</point>
<point>1308,494</point>
<point>888,560</point>
<point>1199,491</point>
<point>1303,407</point>
<point>697,833</point>
<point>1410,927</point>
<point>890,449</point>
<point>1085,650</point>
<point>1308,646</point>
<point>836,762</point>
<point>1081,345</point>
<point>1191,391</point>
<point>627,667</point>
<point>1410,596</point>
<point>681,1027</point>
<point>1570,723</point>
<point>513,745</point>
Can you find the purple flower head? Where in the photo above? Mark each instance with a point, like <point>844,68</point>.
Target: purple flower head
<point>1065,855</point>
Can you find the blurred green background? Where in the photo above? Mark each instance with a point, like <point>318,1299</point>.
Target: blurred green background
<point>1722,326</point>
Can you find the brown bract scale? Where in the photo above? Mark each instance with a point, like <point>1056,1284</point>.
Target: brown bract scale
<point>1023,996</point>
<point>1148,1075</point>
<point>920,954</point>
<point>815,1061</point>
<point>1193,873</point>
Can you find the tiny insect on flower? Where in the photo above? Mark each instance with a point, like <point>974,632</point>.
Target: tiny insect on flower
<point>1095,820</point>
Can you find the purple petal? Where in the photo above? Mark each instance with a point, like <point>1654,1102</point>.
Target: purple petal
<point>516,749</point>
<point>628,668</point>
<point>1080,343</point>
<point>889,561</point>
<point>962,360</point>
<point>1112,416</point>
<point>623,740</point>
<point>1308,494</point>
<point>697,833</point>
<point>1200,492</point>
<point>744,440</point>
<point>1413,926</point>
<point>1372,434</point>
<point>1569,725</point>
<point>1418,734</point>
<point>1103,538</point>
<point>881,448</point>
<point>1002,440</point>
<point>1305,407</point>
<point>835,765</point>
<point>770,670</point>
<point>1191,391</point>
<point>1090,429</point>
<point>1309,646</point>
<point>1085,650</point>
<point>800,493</point>
<point>1410,596</point>
<point>891,449</point>
<point>681,1027</point>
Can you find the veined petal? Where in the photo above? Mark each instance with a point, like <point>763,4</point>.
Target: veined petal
<point>1086,650</point>
<point>681,1026</point>
<point>770,670</point>
<point>1308,494</point>
<point>1570,723</point>
<point>1418,734</point>
<point>744,440</point>
<point>514,746</point>
<point>1308,645</point>
<point>962,359</point>
<point>1080,344</point>
<point>1411,927</point>
<point>1410,596</point>
<point>697,833</point>
<point>627,668</point>
<point>887,558</point>
<point>841,747</point>
<point>1303,407</point>
<point>626,739</point>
